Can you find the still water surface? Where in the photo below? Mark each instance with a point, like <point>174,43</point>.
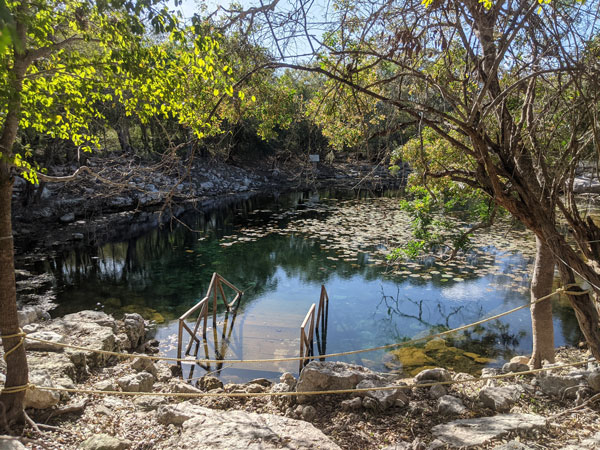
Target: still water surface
<point>280,251</point>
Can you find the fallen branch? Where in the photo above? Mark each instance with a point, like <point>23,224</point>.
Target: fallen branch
<point>73,409</point>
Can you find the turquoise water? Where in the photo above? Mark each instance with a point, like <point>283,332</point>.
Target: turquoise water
<point>280,251</point>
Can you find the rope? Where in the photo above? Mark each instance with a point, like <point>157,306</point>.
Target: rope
<point>20,334</point>
<point>3,238</point>
<point>294,393</point>
<point>15,389</point>
<point>305,358</point>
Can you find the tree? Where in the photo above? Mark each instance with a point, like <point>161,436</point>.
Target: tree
<point>510,88</point>
<point>65,61</point>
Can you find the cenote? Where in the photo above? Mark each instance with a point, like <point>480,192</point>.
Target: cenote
<point>279,250</point>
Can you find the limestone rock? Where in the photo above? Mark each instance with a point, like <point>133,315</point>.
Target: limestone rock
<point>105,442</point>
<point>260,381</point>
<point>144,364</point>
<point>450,405</point>
<point>177,414</point>
<point>50,346</point>
<point>594,381</point>
<point>400,445</point>
<point>516,366</point>
<point>40,398</point>
<point>10,444</point>
<point>105,385</point>
<point>557,384</point>
<point>437,391</point>
<point>135,329</point>
<point>288,379</point>
<point>56,365</point>
<point>384,398</point>
<point>470,432</point>
<point>328,375</point>
<point>309,413</point>
<point>177,385</point>
<point>351,404</point>
<point>432,376</point>
<point>139,382</point>
<point>499,399</point>
<point>208,383</point>
<point>254,388</point>
<point>282,400</point>
<point>240,430</point>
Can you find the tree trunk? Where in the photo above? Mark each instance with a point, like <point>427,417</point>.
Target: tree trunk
<point>16,362</point>
<point>541,313</point>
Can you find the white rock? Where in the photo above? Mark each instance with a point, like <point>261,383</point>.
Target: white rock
<point>10,443</point>
<point>139,382</point>
<point>50,346</point>
<point>40,398</point>
<point>470,432</point>
<point>240,430</point>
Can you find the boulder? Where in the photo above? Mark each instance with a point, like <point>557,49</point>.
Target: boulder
<point>240,430</point>
<point>330,375</point>
<point>432,376</point>
<point>557,385</point>
<point>105,442</point>
<point>49,346</point>
<point>40,398</point>
<point>499,399</point>
<point>386,398</point>
<point>56,365</point>
<point>139,382</point>
<point>449,405</point>
<point>471,432</point>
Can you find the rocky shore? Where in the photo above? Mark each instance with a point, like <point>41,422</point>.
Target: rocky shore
<point>554,409</point>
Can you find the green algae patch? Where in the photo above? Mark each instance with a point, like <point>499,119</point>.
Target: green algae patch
<point>436,353</point>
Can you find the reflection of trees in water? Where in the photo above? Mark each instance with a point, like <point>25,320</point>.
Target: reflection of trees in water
<point>493,340</point>
<point>169,270</point>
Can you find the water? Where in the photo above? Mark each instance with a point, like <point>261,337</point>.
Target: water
<point>280,251</point>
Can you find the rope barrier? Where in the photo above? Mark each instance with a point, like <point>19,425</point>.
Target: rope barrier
<point>303,358</point>
<point>20,334</point>
<point>294,393</point>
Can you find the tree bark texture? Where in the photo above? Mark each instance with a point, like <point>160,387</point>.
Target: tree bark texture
<point>16,362</point>
<point>541,313</point>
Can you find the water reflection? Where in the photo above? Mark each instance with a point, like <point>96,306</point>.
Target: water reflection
<point>279,251</point>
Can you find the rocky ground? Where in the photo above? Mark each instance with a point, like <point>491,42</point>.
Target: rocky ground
<point>556,409</point>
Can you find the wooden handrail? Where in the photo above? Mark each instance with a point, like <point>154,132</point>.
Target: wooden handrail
<point>215,289</point>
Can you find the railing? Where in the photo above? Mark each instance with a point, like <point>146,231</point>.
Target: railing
<point>308,329</point>
<point>215,289</point>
